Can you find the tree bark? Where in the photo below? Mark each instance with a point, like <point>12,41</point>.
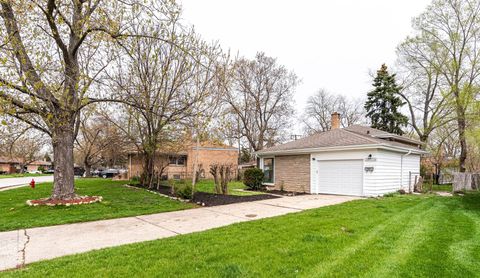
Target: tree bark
<point>63,185</point>
<point>148,169</point>
<point>88,170</point>
<point>463,141</point>
<point>195,165</point>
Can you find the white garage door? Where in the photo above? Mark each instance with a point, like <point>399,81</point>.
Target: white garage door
<point>344,177</point>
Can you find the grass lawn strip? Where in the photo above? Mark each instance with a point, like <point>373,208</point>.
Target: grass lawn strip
<point>404,245</point>
<point>209,187</point>
<point>401,236</point>
<point>467,252</point>
<point>118,201</point>
<point>340,256</point>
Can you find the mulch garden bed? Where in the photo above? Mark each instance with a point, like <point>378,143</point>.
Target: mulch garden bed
<point>80,200</point>
<point>212,199</point>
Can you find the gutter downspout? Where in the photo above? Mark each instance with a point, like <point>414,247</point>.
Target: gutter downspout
<point>401,169</point>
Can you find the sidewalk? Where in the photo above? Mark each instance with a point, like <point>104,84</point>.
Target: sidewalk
<point>30,245</point>
<point>9,183</point>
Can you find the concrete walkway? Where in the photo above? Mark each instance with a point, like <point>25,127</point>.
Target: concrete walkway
<point>30,245</point>
<point>9,183</point>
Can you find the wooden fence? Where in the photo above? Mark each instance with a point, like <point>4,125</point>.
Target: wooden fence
<point>466,182</point>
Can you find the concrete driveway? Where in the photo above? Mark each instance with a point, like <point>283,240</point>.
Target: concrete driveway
<point>17,182</point>
<point>30,245</point>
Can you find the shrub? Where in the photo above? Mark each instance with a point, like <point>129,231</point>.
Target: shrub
<point>391,194</point>
<point>135,179</point>
<point>41,169</point>
<point>253,178</point>
<point>183,191</point>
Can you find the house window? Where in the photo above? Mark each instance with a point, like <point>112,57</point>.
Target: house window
<point>268,173</point>
<point>181,160</point>
<point>177,160</point>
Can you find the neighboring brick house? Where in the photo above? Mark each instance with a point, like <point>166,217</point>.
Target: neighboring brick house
<point>356,160</point>
<point>179,164</point>
<point>33,166</point>
<point>9,165</point>
<point>13,165</point>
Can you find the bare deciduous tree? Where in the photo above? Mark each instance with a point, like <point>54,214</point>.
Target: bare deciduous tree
<point>322,105</point>
<point>163,83</point>
<point>424,87</point>
<point>98,143</point>
<point>260,94</point>
<point>21,144</point>
<point>452,31</point>
<point>51,53</point>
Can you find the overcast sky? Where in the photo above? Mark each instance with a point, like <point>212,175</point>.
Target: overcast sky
<point>331,44</point>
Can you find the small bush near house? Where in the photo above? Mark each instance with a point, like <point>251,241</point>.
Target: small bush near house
<point>183,191</point>
<point>135,179</point>
<point>41,169</point>
<point>253,178</point>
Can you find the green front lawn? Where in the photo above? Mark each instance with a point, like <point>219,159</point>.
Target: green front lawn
<point>118,201</point>
<point>441,187</point>
<point>233,188</point>
<point>401,236</point>
<point>6,176</point>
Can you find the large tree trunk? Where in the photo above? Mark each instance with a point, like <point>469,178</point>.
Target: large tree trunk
<point>463,141</point>
<point>195,164</point>
<point>63,185</point>
<point>88,170</point>
<point>148,169</point>
<point>424,140</point>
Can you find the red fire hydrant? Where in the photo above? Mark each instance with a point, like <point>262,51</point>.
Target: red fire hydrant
<point>32,184</point>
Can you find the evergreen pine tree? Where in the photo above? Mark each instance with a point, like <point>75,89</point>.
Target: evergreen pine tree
<point>383,103</point>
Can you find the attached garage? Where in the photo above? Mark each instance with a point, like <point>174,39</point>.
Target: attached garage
<point>343,177</point>
<point>357,161</point>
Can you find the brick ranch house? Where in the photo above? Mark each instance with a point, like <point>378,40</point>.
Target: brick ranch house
<point>13,165</point>
<point>179,164</point>
<point>357,160</point>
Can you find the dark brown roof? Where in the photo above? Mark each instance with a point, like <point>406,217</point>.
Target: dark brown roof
<point>366,130</point>
<point>345,137</point>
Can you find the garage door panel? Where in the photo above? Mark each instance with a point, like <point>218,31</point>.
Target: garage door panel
<point>340,177</point>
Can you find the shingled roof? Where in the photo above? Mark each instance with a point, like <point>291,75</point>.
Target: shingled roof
<point>351,137</point>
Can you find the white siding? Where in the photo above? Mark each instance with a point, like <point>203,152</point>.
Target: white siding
<point>411,163</point>
<point>387,175</point>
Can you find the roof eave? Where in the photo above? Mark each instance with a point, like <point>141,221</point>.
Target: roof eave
<point>340,148</point>
<point>400,138</point>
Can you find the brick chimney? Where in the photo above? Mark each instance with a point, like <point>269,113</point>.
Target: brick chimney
<point>335,120</point>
